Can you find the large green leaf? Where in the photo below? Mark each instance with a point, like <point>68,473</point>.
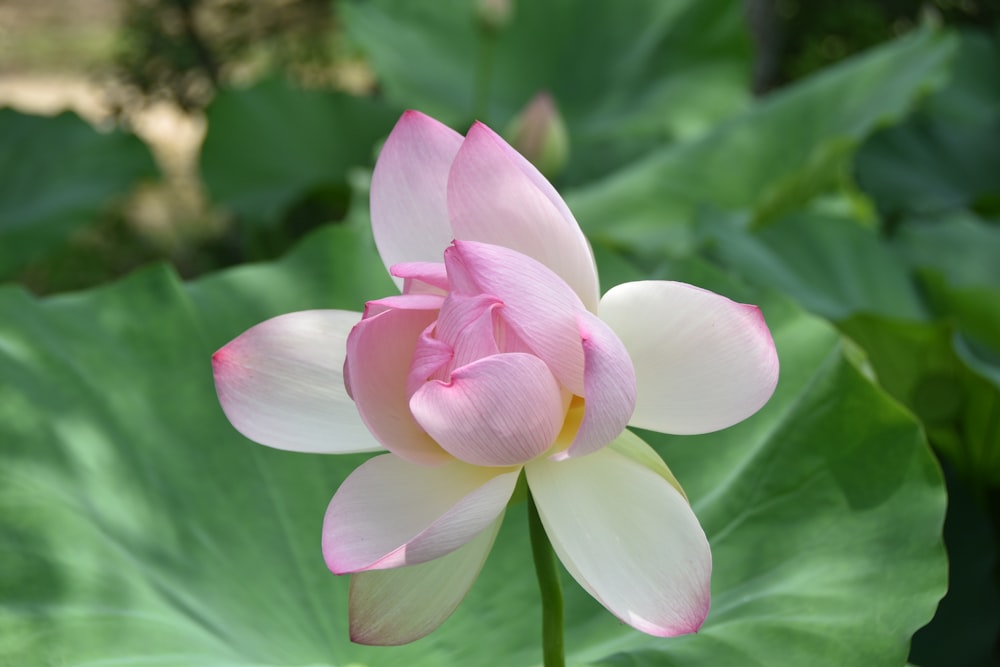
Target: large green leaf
<point>136,526</point>
<point>626,81</point>
<point>831,265</point>
<point>771,159</point>
<point>928,166</point>
<point>59,175</point>
<point>941,380</point>
<point>956,256</point>
<point>270,145</point>
<point>947,155</point>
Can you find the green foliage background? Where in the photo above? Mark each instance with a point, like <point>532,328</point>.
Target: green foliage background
<point>858,206</point>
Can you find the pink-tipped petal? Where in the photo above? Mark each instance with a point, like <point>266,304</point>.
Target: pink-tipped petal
<point>380,349</point>
<point>409,207</point>
<point>702,362</point>
<point>281,384</point>
<point>398,606</point>
<point>499,411</point>
<point>609,387</point>
<point>537,304</point>
<point>628,537</point>
<point>496,196</point>
<point>390,513</point>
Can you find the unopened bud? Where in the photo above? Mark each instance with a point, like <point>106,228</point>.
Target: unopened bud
<point>494,15</point>
<point>539,134</point>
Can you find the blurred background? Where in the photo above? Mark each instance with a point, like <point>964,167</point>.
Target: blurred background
<point>154,68</point>
<point>209,133</point>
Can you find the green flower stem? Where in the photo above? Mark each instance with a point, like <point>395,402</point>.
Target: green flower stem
<point>553,650</point>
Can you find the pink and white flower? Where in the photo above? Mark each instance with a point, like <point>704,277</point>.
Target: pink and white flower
<point>499,356</point>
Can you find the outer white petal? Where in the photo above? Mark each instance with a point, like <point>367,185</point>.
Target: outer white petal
<point>702,362</point>
<point>392,607</point>
<point>409,207</point>
<point>628,536</point>
<point>281,384</point>
<point>389,512</point>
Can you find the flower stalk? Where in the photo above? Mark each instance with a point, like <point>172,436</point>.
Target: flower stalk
<point>553,650</point>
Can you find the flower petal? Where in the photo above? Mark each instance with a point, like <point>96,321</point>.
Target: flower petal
<point>499,411</point>
<point>496,196</point>
<point>609,387</point>
<point>466,325</point>
<point>537,304</point>
<point>422,277</point>
<point>628,537</point>
<point>409,208</point>
<point>702,362</point>
<point>380,349</point>
<point>281,384</point>
<point>389,513</point>
<point>392,607</point>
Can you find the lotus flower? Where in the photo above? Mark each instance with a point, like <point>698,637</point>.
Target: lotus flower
<point>498,358</point>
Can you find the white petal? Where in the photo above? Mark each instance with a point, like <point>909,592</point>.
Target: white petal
<point>409,207</point>
<point>389,512</point>
<point>281,384</point>
<point>392,607</point>
<point>628,537</point>
<point>702,362</point>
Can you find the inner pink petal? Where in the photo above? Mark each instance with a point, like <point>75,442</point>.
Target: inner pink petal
<point>496,196</point>
<point>466,323</point>
<point>538,306</point>
<point>501,410</point>
<point>380,350</point>
<point>610,387</point>
<point>422,277</point>
<point>432,358</point>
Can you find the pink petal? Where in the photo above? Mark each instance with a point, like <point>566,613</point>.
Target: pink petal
<point>537,305</point>
<point>419,301</point>
<point>431,359</point>
<point>628,537</point>
<point>702,362</point>
<point>393,607</point>
<point>499,411</point>
<point>281,384</point>
<point>380,349</point>
<point>409,208</point>
<point>609,387</point>
<point>496,196</point>
<point>391,513</point>
<point>466,324</point>
<point>422,277</point>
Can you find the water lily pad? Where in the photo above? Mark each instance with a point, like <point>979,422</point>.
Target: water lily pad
<point>137,527</point>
